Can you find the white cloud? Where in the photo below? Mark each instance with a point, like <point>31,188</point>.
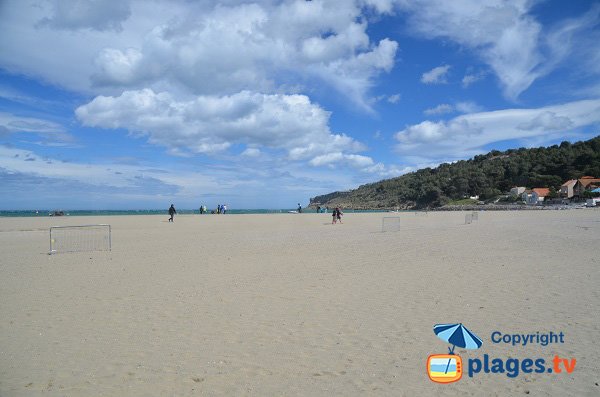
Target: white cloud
<point>35,181</point>
<point>49,130</point>
<point>26,161</point>
<point>436,75</point>
<point>207,124</point>
<point>14,124</point>
<point>466,135</point>
<point>363,164</point>
<point>355,160</point>
<point>440,109</point>
<point>177,45</point>
<point>547,121</point>
<point>467,107</point>
<point>472,78</point>
<point>506,36</point>
<point>461,107</point>
<point>394,98</point>
<point>503,33</point>
<point>251,152</point>
<point>116,67</point>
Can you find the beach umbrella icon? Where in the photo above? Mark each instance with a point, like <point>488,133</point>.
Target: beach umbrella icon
<point>457,335</point>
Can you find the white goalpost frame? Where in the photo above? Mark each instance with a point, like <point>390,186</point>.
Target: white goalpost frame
<point>81,245</point>
<point>397,220</point>
<point>475,216</point>
<point>468,219</point>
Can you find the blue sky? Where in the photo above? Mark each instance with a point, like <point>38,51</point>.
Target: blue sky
<point>264,104</point>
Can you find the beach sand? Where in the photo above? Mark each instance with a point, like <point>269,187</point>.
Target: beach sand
<point>288,304</point>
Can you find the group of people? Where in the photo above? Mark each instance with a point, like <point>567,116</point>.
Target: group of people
<point>221,209</point>
<point>336,216</point>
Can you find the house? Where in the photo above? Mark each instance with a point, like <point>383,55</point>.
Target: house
<point>517,190</point>
<point>585,183</point>
<point>535,195</point>
<point>566,189</point>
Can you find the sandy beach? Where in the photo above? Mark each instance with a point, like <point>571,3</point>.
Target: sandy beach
<point>288,304</point>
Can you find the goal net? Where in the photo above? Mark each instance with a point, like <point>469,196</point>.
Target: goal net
<point>468,219</point>
<point>475,216</point>
<point>80,238</point>
<point>390,224</point>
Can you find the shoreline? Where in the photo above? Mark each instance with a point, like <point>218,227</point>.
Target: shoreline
<point>185,212</point>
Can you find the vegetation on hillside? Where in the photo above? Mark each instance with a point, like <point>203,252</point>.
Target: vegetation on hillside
<point>486,176</point>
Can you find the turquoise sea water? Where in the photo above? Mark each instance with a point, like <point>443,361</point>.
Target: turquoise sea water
<point>45,213</point>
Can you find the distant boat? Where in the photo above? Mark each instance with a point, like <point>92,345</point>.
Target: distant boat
<point>57,213</point>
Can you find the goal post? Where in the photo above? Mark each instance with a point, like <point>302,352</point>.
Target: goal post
<point>468,219</point>
<point>80,238</point>
<point>390,224</point>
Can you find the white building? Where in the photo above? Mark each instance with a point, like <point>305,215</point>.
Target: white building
<point>517,190</point>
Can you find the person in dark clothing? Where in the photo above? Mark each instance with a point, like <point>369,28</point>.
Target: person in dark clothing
<point>172,212</point>
<point>299,208</point>
<point>338,214</point>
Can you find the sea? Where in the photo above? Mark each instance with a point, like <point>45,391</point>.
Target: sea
<point>45,213</point>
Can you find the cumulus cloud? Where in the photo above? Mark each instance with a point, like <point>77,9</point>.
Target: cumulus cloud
<point>104,48</point>
<point>354,160</point>
<point>208,124</point>
<point>466,135</point>
<point>363,164</point>
<point>436,75</point>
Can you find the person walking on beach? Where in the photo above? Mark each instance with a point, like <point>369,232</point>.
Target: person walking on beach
<point>299,208</point>
<point>333,217</point>
<point>318,209</point>
<point>338,214</point>
<point>224,208</point>
<point>172,212</point>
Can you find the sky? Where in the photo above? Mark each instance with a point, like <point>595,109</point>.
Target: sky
<point>138,104</point>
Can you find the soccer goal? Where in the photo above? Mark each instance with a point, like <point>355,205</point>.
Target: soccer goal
<point>468,219</point>
<point>390,224</point>
<point>475,216</point>
<point>80,238</point>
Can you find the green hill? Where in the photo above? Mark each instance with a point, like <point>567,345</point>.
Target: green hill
<point>486,176</point>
